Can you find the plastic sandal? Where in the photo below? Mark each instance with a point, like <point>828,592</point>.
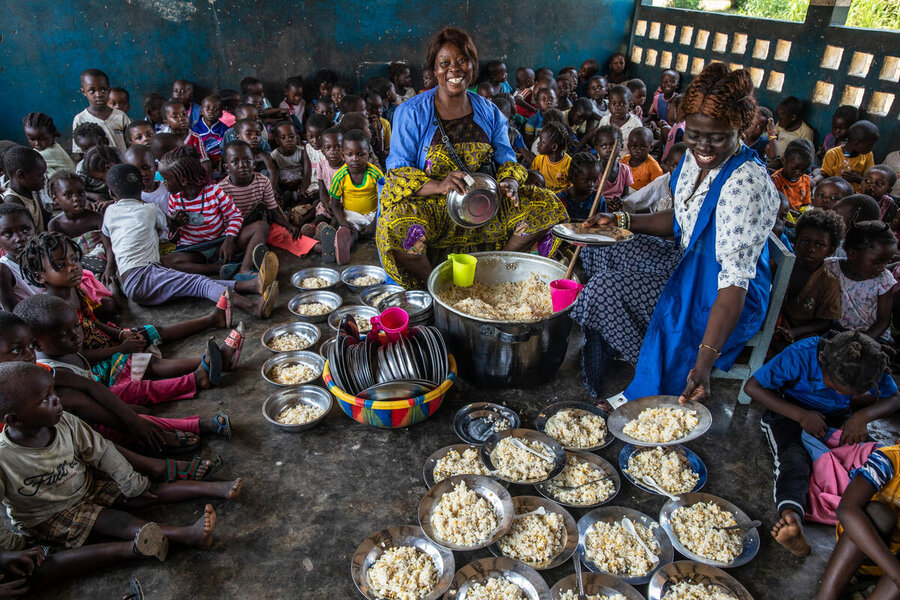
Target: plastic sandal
<point>137,592</point>
<point>270,296</point>
<point>259,253</point>
<point>327,237</point>
<point>268,270</point>
<point>225,303</point>
<point>235,340</point>
<point>229,270</point>
<point>246,276</point>
<point>342,242</point>
<point>212,362</point>
<point>224,429</point>
<point>150,541</point>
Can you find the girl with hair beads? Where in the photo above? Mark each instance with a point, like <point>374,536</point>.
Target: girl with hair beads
<point>811,386</point>
<point>41,134</point>
<point>584,171</point>
<point>552,160</point>
<point>607,144</point>
<point>866,284</point>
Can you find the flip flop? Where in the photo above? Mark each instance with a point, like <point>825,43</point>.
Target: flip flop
<point>259,253</point>
<point>224,429</point>
<point>173,474</point>
<point>327,237</point>
<point>150,541</point>
<point>268,269</point>
<point>309,230</point>
<point>342,242</point>
<point>246,276</point>
<point>184,446</point>
<point>137,592</point>
<point>228,271</point>
<point>212,362</point>
<point>225,303</point>
<point>235,340</point>
<point>270,296</point>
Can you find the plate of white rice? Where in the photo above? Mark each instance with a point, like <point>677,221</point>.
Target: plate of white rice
<point>498,578</point>
<point>542,541</point>
<point>466,512</point>
<point>578,426</point>
<point>659,421</point>
<point>690,580</point>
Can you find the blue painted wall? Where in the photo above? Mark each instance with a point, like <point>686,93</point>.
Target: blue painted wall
<point>144,45</point>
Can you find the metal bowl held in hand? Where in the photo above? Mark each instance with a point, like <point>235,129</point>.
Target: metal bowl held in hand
<point>478,205</point>
<point>503,353</point>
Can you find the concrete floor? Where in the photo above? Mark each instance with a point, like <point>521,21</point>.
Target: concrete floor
<point>310,498</point>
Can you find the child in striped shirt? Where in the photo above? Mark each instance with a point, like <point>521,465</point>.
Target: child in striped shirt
<point>207,224</point>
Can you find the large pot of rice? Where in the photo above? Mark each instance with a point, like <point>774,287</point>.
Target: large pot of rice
<point>502,330</point>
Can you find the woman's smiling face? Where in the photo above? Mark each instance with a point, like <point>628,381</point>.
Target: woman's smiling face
<point>711,141</point>
<point>452,69</point>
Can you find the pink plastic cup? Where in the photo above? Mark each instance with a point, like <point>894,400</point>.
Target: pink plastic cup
<point>394,322</point>
<point>563,293</point>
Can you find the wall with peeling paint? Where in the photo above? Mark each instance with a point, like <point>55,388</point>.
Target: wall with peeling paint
<point>146,44</point>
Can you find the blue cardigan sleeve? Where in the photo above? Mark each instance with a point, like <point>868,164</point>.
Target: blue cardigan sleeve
<point>405,138</point>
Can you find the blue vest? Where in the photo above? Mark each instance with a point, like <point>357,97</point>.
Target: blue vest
<point>679,320</point>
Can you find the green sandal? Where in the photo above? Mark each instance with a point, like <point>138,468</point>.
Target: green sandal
<point>173,474</point>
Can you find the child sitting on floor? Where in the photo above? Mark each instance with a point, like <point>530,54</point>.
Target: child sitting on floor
<point>95,88</point>
<point>607,144</point>
<point>619,103</point>
<point>545,99</point>
<point>26,168</point>
<point>354,194</point>
<point>293,100</point>
<point>644,168</point>
<point>211,130</point>
<point>41,134</point>
<point>178,122</point>
<point>139,133</point>
<point>152,106</point>
<point>791,179</point>
<point>76,220</point>
<point>669,81</point>
<point>315,126</point>
<point>39,436</point>
<point>552,160</point>
<point>638,91</point>
<point>153,192</point>
<point>877,183</point>
<point>854,157</point>
<point>812,385</point>
<point>657,195</point>
<point>584,171</point>
<point>789,124</point>
<point>597,90</point>
<point>327,167</point>
<point>813,297</point>
<point>830,191</point>
<point>251,192</point>
<point>843,118</point>
<point>288,158</point>
<point>866,284</point>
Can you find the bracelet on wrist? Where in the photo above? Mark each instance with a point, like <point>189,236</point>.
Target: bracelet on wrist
<point>708,347</point>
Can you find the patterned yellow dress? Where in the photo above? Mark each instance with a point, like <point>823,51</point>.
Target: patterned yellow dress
<point>421,225</point>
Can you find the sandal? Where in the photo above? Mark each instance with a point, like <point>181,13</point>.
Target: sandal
<point>342,243</point>
<point>225,303</point>
<point>150,541</point>
<point>224,429</point>
<point>184,445</point>
<point>268,269</point>
<point>229,270</point>
<point>212,362</point>
<point>258,255</point>
<point>308,230</point>
<point>270,296</point>
<point>235,340</point>
<point>246,276</point>
<point>137,592</point>
<point>173,474</point>
<point>327,236</point>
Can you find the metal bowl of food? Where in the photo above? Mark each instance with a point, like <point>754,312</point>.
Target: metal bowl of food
<point>551,455</point>
<point>467,464</point>
<point>316,278</point>
<point>297,408</point>
<point>371,296</point>
<point>360,277</point>
<point>579,417</point>
<point>325,348</point>
<point>289,369</point>
<point>564,548</point>
<point>374,546</point>
<point>478,421</point>
<point>586,484</point>
<point>314,307</point>
<point>496,495</point>
<point>520,580</point>
<point>688,458</point>
<point>622,417</point>
<point>695,574</point>
<point>595,584</point>
<point>478,205</point>
<point>288,337</point>
<point>359,312</point>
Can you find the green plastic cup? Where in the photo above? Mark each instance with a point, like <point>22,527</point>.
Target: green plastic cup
<point>463,269</point>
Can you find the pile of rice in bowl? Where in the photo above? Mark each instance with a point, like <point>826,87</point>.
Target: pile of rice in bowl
<point>686,590</point>
<point>662,425</point>
<point>576,474</point>
<point>535,539</point>
<point>520,465</point>
<point>614,550</point>
<point>669,469</point>
<point>454,463</point>
<point>402,573</point>
<point>526,300</point>
<point>577,431</point>
<point>463,518</point>
<point>495,588</point>
<point>695,528</point>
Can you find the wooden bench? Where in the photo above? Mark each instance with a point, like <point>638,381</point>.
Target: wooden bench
<point>784,264</point>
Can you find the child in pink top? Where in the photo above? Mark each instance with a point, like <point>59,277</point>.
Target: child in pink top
<point>607,144</point>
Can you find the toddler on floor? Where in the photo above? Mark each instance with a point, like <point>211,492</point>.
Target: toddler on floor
<point>288,158</point>
<point>584,171</point>
<point>77,221</point>
<point>644,168</point>
<point>552,160</point>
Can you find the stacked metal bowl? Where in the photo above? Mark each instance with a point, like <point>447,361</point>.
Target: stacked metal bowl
<point>418,305</point>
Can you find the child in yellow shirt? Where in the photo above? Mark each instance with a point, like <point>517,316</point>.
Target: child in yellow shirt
<point>552,161</point>
<point>852,159</point>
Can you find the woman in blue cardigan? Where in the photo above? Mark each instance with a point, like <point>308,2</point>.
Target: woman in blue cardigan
<point>414,231</point>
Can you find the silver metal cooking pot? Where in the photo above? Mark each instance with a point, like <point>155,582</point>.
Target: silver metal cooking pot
<point>503,353</point>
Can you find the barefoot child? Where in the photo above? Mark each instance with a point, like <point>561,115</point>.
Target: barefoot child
<point>354,195</point>
<point>26,170</point>
<point>584,171</point>
<point>552,160</point>
<point>809,387</point>
<point>95,88</point>
<point>644,168</point>
<point>39,436</point>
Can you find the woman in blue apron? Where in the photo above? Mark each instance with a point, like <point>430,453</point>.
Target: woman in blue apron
<point>678,309</point>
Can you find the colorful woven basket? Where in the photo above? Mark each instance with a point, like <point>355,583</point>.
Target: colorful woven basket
<point>391,413</point>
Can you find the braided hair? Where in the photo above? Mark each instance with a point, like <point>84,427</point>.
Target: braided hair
<point>38,120</point>
<point>721,94</point>
<point>582,160</point>
<point>183,164</point>
<point>41,247</point>
<point>865,235</point>
<point>853,360</point>
<point>557,134</point>
<point>96,159</point>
